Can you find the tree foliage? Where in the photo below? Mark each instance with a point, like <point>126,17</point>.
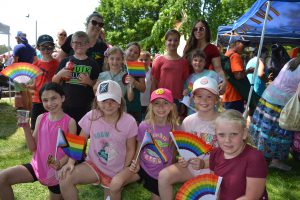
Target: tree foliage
<point>147,21</point>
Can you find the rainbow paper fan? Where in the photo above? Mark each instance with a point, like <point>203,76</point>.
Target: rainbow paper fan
<point>202,187</point>
<point>189,145</point>
<point>21,72</point>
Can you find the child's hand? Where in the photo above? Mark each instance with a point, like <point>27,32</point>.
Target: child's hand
<point>84,79</point>
<point>182,162</point>
<point>222,87</point>
<point>67,168</point>
<point>196,163</point>
<point>129,79</point>
<point>185,92</point>
<point>53,163</point>
<point>65,74</point>
<point>134,166</point>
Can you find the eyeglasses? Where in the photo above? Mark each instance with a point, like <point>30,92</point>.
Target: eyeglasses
<point>199,29</point>
<point>100,24</point>
<point>49,48</point>
<point>62,34</point>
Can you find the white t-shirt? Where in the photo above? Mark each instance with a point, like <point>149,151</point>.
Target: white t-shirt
<point>107,148</point>
<point>145,96</point>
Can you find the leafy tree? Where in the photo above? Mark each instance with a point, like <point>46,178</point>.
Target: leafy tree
<point>147,21</point>
<point>3,49</point>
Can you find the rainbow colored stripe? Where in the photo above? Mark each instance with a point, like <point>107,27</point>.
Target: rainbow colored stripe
<point>75,146</point>
<point>201,186</point>
<point>21,72</point>
<point>190,87</point>
<point>152,144</point>
<point>191,142</point>
<point>136,69</point>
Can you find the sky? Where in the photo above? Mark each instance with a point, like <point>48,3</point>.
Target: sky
<point>51,15</point>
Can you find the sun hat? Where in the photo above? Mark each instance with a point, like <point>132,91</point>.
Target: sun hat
<point>109,90</point>
<point>207,83</point>
<point>162,93</point>
<point>21,36</point>
<point>43,39</point>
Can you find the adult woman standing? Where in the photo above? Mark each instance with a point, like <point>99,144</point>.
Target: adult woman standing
<point>265,131</point>
<point>97,48</point>
<point>200,38</point>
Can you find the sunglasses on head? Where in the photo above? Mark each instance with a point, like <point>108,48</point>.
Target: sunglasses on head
<point>94,22</point>
<point>49,48</point>
<point>199,29</point>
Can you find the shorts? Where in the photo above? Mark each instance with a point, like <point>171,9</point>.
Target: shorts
<point>150,183</point>
<point>236,105</point>
<point>54,189</point>
<point>103,179</point>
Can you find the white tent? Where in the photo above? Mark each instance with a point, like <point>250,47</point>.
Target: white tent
<point>5,29</point>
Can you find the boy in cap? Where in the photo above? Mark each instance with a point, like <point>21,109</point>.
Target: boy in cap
<point>48,65</point>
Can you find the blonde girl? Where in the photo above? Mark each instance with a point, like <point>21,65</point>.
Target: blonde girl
<point>113,70</point>
<point>112,142</point>
<point>161,118</point>
<point>206,95</point>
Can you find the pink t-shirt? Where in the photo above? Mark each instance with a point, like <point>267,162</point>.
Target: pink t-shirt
<point>171,74</point>
<point>107,144</point>
<point>46,145</point>
<point>250,163</point>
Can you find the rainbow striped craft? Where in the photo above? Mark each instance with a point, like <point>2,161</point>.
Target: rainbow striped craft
<point>75,146</point>
<point>136,69</point>
<point>152,144</point>
<point>190,87</point>
<point>21,72</point>
<point>205,186</point>
<point>190,142</point>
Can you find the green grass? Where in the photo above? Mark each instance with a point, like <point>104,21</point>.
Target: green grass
<point>280,185</point>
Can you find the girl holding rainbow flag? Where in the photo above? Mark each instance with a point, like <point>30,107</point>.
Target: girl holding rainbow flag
<point>155,146</point>
<point>43,143</point>
<point>112,142</point>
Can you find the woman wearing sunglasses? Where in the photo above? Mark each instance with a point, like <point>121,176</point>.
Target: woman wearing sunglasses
<point>200,38</point>
<point>96,48</point>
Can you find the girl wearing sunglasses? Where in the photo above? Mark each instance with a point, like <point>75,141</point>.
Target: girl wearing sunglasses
<point>200,38</point>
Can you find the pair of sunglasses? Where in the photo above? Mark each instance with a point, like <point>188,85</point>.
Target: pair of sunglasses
<point>94,23</point>
<point>49,48</point>
<point>199,29</point>
<point>62,34</point>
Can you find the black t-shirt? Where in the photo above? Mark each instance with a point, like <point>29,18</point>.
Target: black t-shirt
<point>96,52</point>
<point>78,95</point>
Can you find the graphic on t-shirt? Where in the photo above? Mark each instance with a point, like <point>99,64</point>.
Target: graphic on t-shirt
<point>96,55</point>
<point>207,137</point>
<point>79,69</point>
<point>107,153</point>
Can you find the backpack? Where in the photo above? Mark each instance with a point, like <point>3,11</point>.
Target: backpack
<point>242,86</point>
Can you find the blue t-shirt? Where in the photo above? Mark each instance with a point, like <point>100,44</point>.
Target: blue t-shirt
<point>25,52</point>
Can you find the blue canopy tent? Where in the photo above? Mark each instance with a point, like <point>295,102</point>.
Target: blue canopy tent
<point>273,18</point>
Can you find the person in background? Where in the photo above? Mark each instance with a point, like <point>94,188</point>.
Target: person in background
<point>78,74</point>
<point>145,57</point>
<point>132,53</point>
<point>200,38</point>
<point>61,38</point>
<point>260,82</point>
<point>231,98</point>
<point>170,70</point>
<point>96,48</point>
<point>265,131</point>
<point>48,65</point>
<point>23,52</point>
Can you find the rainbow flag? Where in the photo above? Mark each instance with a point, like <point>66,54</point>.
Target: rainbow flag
<point>136,69</point>
<point>75,146</point>
<point>152,144</point>
<point>190,88</point>
<point>205,186</point>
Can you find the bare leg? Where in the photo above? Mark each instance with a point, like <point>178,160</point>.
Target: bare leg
<point>106,193</point>
<point>53,196</point>
<point>11,176</point>
<point>170,175</point>
<point>82,174</point>
<point>119,181</point>
<point>154,197</point>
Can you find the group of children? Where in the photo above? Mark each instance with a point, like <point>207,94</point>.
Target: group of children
<point>113,159</point>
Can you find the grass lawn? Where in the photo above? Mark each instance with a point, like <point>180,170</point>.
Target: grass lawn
<point>280,185</point>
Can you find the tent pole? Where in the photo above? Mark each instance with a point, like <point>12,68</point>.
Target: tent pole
<point>258,56</point>
<point>9,86</point>
<point>231,34</point>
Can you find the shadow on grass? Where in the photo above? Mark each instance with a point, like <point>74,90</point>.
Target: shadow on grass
<point>8,121</point>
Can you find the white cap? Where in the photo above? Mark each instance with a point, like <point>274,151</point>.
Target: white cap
<point>109,90</point>
<point>207,83</point>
